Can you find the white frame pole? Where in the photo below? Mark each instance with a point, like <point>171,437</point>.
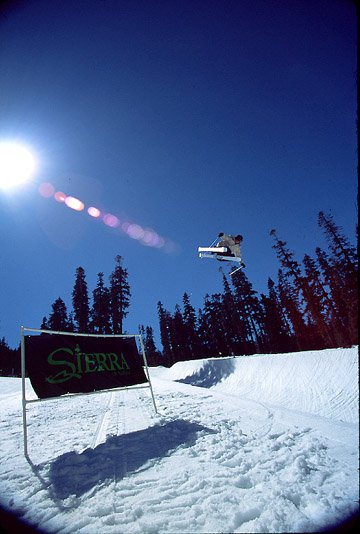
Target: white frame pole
<point>147,371</point>
<point>23,391</point>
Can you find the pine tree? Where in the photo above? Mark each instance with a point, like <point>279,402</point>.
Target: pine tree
<point>345,262</point>
<point>342,321</point>
<point>212,327</point>
<point>286,258</point>
<point>317,330</point>
<point>71,325</point>
<point>177,335</point>
<point>291,306</point>
<point>119,296</point>
<point>164,323</point>
<point>276,327</point>
<point>250,312</point>
<point>236,329</point>
<point>10,364</point>
<point>202,333</point>
<point>150,347</point>
<point>4,357</point>
<point>44,325</point>
<point>58,318</point>
<point>100,312</point>
<point>339,244</point>
<point>153,356</point>
<point>80,301</point>
<point>191,338</point>
<point>321,306</point>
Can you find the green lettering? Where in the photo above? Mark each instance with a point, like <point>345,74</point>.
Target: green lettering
<point>102,363</point>
<point>124,362</point>
<point>65,374</point>
<point>114,362</point>
<point>78,358</point>
<point>90,362</point>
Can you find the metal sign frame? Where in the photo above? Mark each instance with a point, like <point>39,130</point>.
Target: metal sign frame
<point>26,401</point>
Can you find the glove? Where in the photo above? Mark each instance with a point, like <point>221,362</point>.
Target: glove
<point>221,234</point>
<point>243,264</point>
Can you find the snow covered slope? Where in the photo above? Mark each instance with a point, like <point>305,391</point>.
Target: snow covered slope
<point>323,382</point>
<point>266,444</point>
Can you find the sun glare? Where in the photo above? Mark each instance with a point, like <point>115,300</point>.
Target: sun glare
<point>17,165</point>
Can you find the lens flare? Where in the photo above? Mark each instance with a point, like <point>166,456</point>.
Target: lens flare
<point>148,237</point>
<point>159,242</point>
<point>125,225</point>
<point>135,231</point>
<point>46,190</point>
<point>145,236</point>
<point>94,212</point>
<point>111,220</point>
<point>74,203</point>
<point>60,196</point>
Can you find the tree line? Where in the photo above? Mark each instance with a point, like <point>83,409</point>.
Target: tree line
<point>108,310</point>
<point>311,305</point>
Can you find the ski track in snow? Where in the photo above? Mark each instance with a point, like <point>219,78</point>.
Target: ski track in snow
<point>210,460</point>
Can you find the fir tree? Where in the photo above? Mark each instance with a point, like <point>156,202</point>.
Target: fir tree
<point>177,335</point>
<point>10,364</point>
<point>339,244</point>
<point>100,312</point>
<point>153,356</point>
<point>191,338</point>
<point>150,347</point>
<point>275,325</point>
<point>250,312</point>
<point>71,325</point>
<point>321,305</point>
<point>286,258</point>
<point>202,333</point>
<point>5,353</point>
<point>344,260</point>
<point>44,325</point>
<point>212,327</point>
<point>310,305</point>
<point>342,320</point>
<point>164,323</point>
<point>58,318</point>
<point>119,296</point>
<point>80,301</point>
<point>236,329</point>
<point>291,305</point>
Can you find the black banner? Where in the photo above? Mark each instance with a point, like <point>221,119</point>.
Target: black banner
<point>59,364</point>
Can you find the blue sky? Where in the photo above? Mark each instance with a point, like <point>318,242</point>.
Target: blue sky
<point>187,118</point>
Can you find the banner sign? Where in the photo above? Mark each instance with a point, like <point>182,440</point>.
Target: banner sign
<point>60,364</point>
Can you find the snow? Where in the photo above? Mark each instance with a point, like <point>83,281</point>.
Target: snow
<point>265,443</point>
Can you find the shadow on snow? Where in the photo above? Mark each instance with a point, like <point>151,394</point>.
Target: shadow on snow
<point>75,473</point>
<point>213,372</point>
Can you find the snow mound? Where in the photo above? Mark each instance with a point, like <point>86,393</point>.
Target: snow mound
<point>323,383</point>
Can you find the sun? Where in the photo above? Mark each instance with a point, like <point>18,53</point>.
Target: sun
<point>17,164</point>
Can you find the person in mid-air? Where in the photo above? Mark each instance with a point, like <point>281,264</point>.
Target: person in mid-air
<point>232,243</point>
